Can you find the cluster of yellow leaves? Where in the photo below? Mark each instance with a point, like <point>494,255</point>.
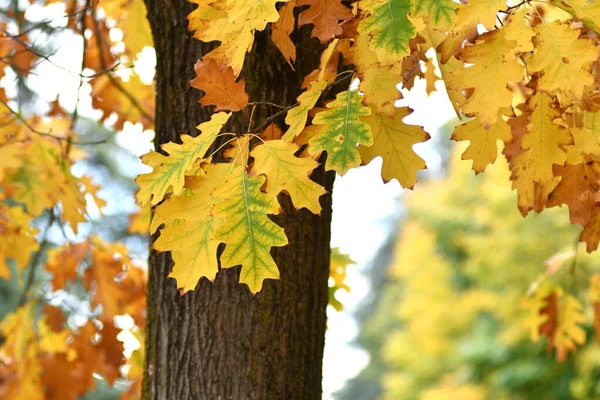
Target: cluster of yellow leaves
<point>209,204</point>
<point>527,78</point>
<point>337,276</point>
<point>44,356</point>
<point>119,92</point>
<point>47,352</point>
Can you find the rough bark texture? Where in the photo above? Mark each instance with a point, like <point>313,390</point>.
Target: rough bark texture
<point>220,342</point>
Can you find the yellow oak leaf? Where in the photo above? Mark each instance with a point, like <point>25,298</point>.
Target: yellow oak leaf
<point>568,332</point>
<point>11,157</point>
<point>483,11</point>
<point>286,172</point>
<point>531,195</point>
<point>190,227</point>
<point>281,29</point>
<point>564,59</point>
<point>361,55</point>
<point>44,163</point>
<point>379,85</point>
<point>169,171</point>
<point>17,239</point>
<point>533,304</point>
<point>488,76</point>
<point>139,222</point>
<point>236,38</point>
<point>259,12</point>
<point>232,23</point>
<point>585,141</point>
<point>450,45</point>
<point>343,130</point>
<point>296,117</point>
<point>586,138</point>
<point>30,189</point>
<point>246,230</point>
<point>483,148</point>
<point>135,27</point>
<point>544,138</point>
<point>518,29</point>
<point>393,140</point>
<point>430,76</point>
<point>19,356</point>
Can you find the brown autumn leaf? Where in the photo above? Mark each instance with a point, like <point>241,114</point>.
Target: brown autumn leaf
<point>574,190</point>
<point>549,327</point>
<point>280,33</point>
<point>219,86</point>
<point>272,132</point>
<point>325,15</point>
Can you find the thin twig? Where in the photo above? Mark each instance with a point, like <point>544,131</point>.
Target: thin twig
<point>47,134</point>
<point>112,79</point>
<point>35,261</point>
<point>75,114</point>
<point>268,103</point>
<point>330,83</point>
<point>48,59</point>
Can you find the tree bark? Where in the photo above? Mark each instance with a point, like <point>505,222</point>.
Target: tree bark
<point>219,341</point>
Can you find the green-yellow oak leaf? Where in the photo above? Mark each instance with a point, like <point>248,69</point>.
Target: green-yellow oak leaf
<point>389,28</point>
<point>246,229</point>
<point>587,10</point>
<point>168,172</point>
<point>441,13</point>
<point>343,130</point>
<point>296,117</point>
<point>189,228</point>
<point>393,141</point>
<point>285,171</point>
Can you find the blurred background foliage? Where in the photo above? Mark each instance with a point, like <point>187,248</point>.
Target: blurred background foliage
<point>448,321</point>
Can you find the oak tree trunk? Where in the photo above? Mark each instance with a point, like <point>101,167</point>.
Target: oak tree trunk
<point>219,341</point>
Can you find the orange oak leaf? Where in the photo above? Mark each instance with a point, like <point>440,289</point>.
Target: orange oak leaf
<point>325,15</point>
<point>548,328</point>
<point>574,190</point>
<point>219,86</point>
<point>280,33</point>
<point>63,262</point>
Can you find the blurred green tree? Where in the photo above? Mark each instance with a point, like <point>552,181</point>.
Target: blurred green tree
<point>450,323</point>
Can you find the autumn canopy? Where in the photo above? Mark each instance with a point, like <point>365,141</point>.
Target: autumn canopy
<point>523,77</point>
